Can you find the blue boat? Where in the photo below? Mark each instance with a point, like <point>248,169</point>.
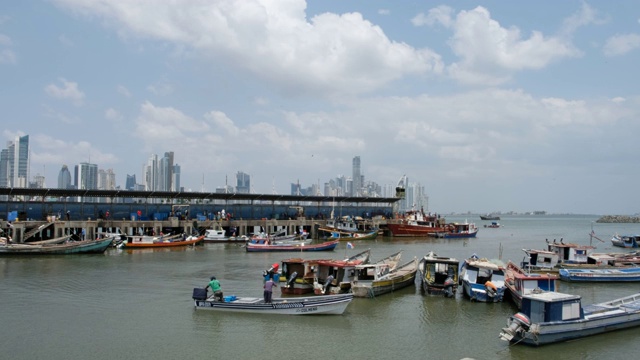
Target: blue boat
<point>551,317</point>
<point>601,275</point>
<point>625,241</point>
<point>482,280</point>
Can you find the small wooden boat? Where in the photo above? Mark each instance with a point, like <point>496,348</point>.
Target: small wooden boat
<point>139,243</point>
<point>609,274</point>
<point>301,276</point>
<point>74,247</point>
<point>520,282</point>
<point>382,278</point>
<point>311,305</point>
<point>494,225</point>
<point>439,275</point>
<point>550,317</point>
<point>266,247</point>
<point>370,235</point>
<point>335,276</point>
<point>626,241</point>
<point>482,280</point>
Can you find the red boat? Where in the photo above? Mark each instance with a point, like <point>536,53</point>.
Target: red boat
<point>417,223</point>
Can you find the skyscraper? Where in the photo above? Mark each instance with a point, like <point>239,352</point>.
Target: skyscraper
<point>64,178</point>
<point>106,179</point>
<point>243,183</point>
<point>130,183</point>
<point>357,178</point>
<point>86,176</point>
<point>14,163</point>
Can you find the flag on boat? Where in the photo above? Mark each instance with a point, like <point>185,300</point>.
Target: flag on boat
<point>350,245</point>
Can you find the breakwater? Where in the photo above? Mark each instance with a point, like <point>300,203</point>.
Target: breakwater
<point>618,219</point>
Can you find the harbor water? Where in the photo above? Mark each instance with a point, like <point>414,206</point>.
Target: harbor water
<point>136,304</point>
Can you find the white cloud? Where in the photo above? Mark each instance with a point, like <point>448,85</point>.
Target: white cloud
<point>330,53</point>
<point>441,15</point>
<point>64,40</point>
<point>161,88</point>
<point>621,44</point>
<point>68,91</point>
<point>384,11</point>
<point>7,56</point>
<point>490,53</point>
<point>122,90</point>
<point>112,114</point>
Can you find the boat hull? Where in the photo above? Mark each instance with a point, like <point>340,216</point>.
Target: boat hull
<point>408,230</point>
<point>312,305</point>
<point>326,246</point>
<point>80,247</point>
<point>600,275</point>
<point>159,244</point>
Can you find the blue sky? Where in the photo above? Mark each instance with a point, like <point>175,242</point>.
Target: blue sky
<point>490,105</point>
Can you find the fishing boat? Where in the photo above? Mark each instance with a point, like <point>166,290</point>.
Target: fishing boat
<point>439,274</point>
<point>489,217</point>
<point>550,317</point>
<point>416,223</point>
<point>301,276</point>
<point>382,278</point>
<point>482,280</point>
<point>97,246</point>
<point>267,247</point>
<point>557,254</point>
<point>493,225</point>
<point>215,234</point>
<point>335,276</point>
<point>609,274</point>
<point>139,242</point>
<point>626,241</point>
<point>371,235</point>
<point>520,283</point>
<point>458,230</point>
<point>311,305</point>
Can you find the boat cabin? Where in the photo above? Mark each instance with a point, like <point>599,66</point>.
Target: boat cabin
<point>436,270</point>
<point>552,306</point>
<point>570,253</point>
<point>539,260</point>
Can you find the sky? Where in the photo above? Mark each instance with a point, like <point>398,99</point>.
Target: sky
<point>489,105</point>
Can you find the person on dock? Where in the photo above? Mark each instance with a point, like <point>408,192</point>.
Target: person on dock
<point>214,284</point>
<point>268,290</point>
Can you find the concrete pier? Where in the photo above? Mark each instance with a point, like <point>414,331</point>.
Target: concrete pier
<point>23,230</point>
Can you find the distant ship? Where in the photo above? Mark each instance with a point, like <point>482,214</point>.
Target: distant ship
<point>489,217</point>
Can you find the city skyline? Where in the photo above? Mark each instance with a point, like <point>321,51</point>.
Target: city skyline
<point>489,105</point>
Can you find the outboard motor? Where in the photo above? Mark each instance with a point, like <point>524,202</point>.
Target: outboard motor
<point>291,279</point>
<point>491,289</point>
<point>519,324</point>
<point>448,287</point>
<point>327,283</point>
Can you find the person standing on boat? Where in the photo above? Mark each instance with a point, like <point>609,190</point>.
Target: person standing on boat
<point>214,284</point>
<point>268,290</point>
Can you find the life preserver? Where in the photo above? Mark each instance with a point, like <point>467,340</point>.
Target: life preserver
<point>491,288</point>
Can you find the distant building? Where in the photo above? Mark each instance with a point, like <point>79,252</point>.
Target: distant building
<point>243,183</point>
<point>86,176</point>
<point>64,178</point>
<point>14,163</point>
<point>130,183</point>
<point>106,179</point>
<point>356,189</point>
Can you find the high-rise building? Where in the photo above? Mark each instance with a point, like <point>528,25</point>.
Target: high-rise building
<point>106,179</point>
<point>160,174</point>
<point>243,183</point>
<point>86,176</point>
<point>175,180</point>
<point>64,178</point>
<point>356,188</point>
<point>14,163</point>
<point>130,183</point>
